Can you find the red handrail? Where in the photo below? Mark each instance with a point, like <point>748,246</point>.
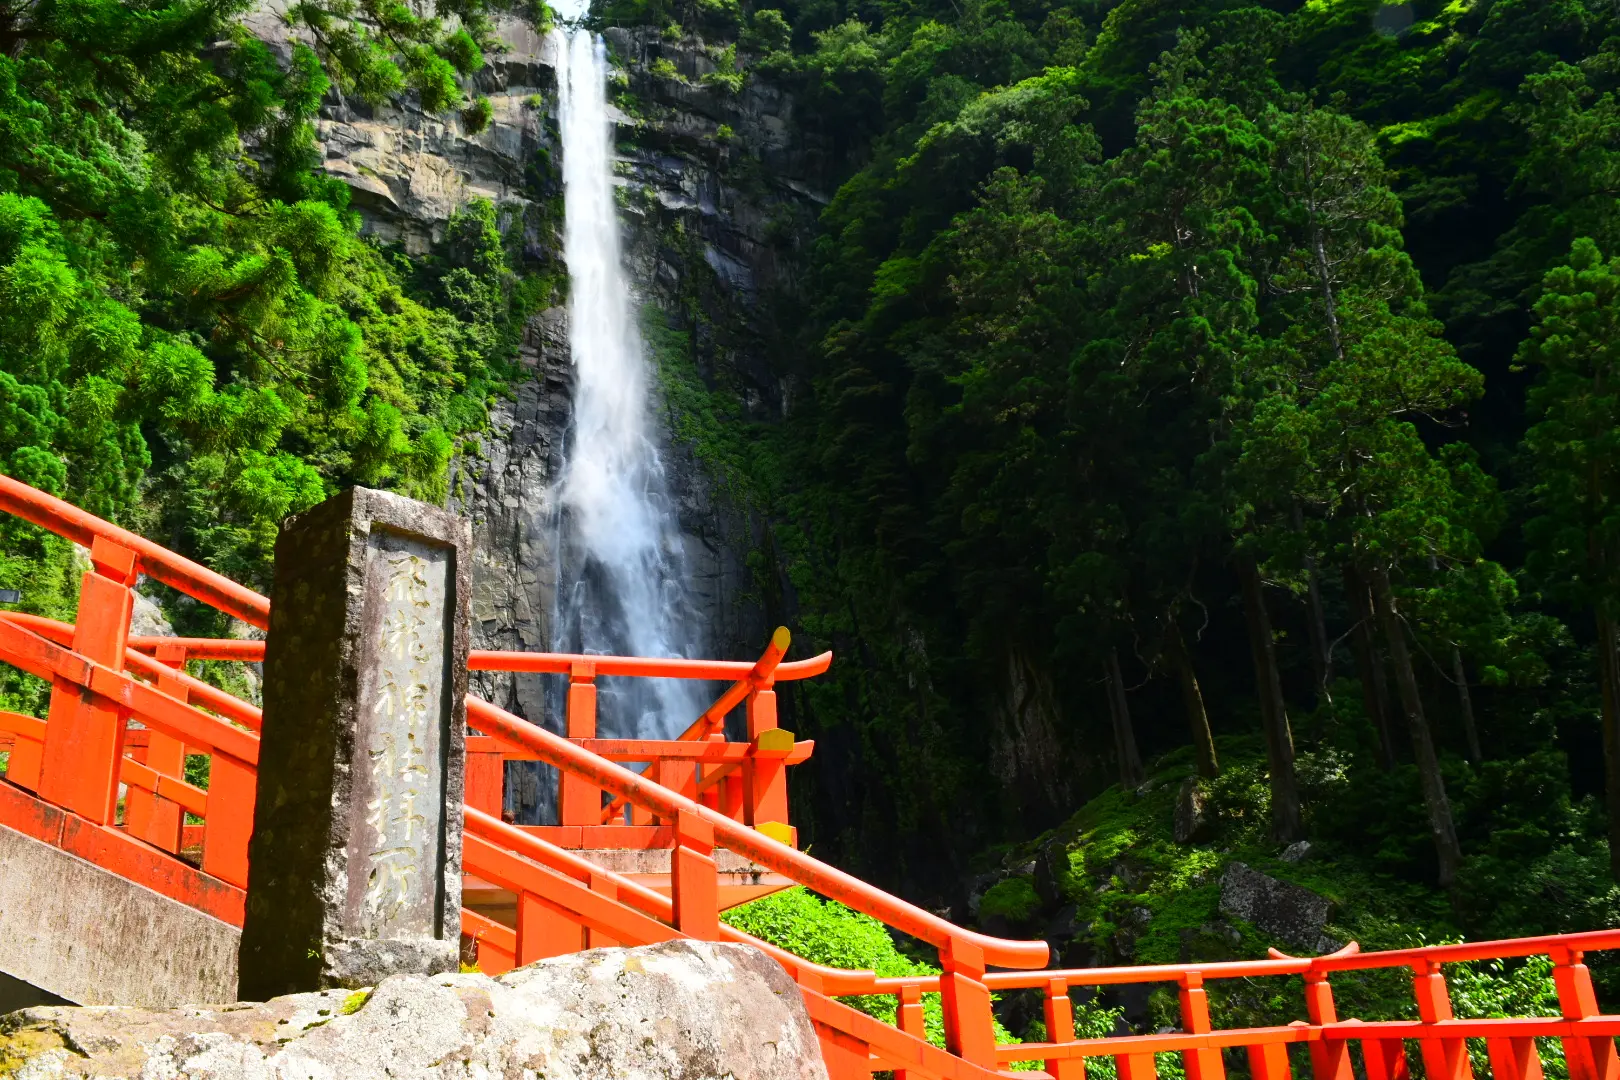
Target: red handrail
<point>210,697</point>
<point>1462,952</point>
<point>826,880</point>
<point>656,904</point>
<point>252,650</point>
<point>766,671</point>
<point>646,667</point>
<point>176,571</point>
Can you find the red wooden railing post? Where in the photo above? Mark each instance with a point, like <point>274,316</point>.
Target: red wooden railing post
<point>1138,1066</point>
<point>158,821</point>
<point>731,796</point>
<point>1058,1011</point>
<point>711,796</point>
<point>84,736</point>
<point>228,825</point>
<point>1443,1059</point>
<point>1330,1058</point>
<point>1589,1057</point>
<point>1514,1058</point>
<point>909,1018</point>
<point>22,768</point>
<point>846,1057</point>
<point>666,773</point>
<point>965,1001</point>
<point>1269,1061</point>
<point>485,783</point>
<point>543,931</point>
<point>580,803</point>
<point>1205,1063</point>
<point>761,709</point>
<point>695,886</point>
<point>1385,1059</point>
<point>765,802</point>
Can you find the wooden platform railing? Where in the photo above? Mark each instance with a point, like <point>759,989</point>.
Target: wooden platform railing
<point>746,780</point>
<point>566,903</point>
<point>65,772</point>
<point>965,955</point>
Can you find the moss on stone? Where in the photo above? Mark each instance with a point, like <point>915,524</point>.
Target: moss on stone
<point>1014,900</point>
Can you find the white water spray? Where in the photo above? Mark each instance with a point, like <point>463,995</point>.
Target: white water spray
<point>623,587</point>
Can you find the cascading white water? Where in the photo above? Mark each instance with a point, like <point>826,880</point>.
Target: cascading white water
<point>623,587</point>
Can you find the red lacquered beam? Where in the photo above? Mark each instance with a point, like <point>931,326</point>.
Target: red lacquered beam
<point>209,697</point>
<point>645,750</point>
<point>246,650</point>
<point>1152,973</point>
<point>672,668</point>
<point>1589,941</point>
<point>1115,1045</point>
<point>193,579</point>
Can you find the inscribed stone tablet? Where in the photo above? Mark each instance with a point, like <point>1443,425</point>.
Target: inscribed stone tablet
<point>396,850</point>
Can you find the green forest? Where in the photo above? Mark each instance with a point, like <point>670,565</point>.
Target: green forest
<point>1209,401</point>
<point>194,340</point>
<point>1207,374</point>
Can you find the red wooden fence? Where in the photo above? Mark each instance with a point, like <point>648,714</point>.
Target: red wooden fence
<point>699,793</point>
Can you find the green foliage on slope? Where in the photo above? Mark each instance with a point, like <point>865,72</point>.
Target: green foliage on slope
<point>1131,893</point>
<point>828,933</point>
<point>195,341</point>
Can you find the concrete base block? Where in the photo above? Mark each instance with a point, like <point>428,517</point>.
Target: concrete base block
<point>89,936</point>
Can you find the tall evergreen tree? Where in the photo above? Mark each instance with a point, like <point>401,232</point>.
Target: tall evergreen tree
<point>1573,446</point>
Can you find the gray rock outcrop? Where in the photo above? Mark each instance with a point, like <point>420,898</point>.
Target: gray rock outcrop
<point>1291,913</point>
<point>408,170</point>
<point>1191,823</point>
<point>685,1009</point>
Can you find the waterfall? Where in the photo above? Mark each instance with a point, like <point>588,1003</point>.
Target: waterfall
<point>623,585</point>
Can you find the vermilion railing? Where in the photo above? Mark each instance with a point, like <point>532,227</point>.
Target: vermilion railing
<point>75,760</point>
<point>746,780</point>
<point>590,909</point>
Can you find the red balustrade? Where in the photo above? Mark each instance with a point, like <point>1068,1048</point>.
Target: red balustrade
<point>698,796</point>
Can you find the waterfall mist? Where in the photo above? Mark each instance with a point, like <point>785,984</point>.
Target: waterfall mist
<point>623,586</point>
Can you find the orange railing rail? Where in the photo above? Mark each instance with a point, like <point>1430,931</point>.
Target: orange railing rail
<point>176,571</point>
<point>724,776</point>
<point>743,780</point>
<point>594,907</point>
<point>74,761</point>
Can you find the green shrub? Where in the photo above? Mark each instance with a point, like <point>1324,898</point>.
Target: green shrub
<point>828,933</point>
<point>1014,900</point>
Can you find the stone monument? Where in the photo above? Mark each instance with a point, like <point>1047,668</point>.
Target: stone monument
<point>355,862</point>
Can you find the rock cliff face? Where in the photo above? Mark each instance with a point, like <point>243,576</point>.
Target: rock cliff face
<point>721,188</point>
<point>716,192</point>
<point>408,170</point>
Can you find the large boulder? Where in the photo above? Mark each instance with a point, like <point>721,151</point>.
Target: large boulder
<point>1292,913</point>
<point>684,1009</point>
